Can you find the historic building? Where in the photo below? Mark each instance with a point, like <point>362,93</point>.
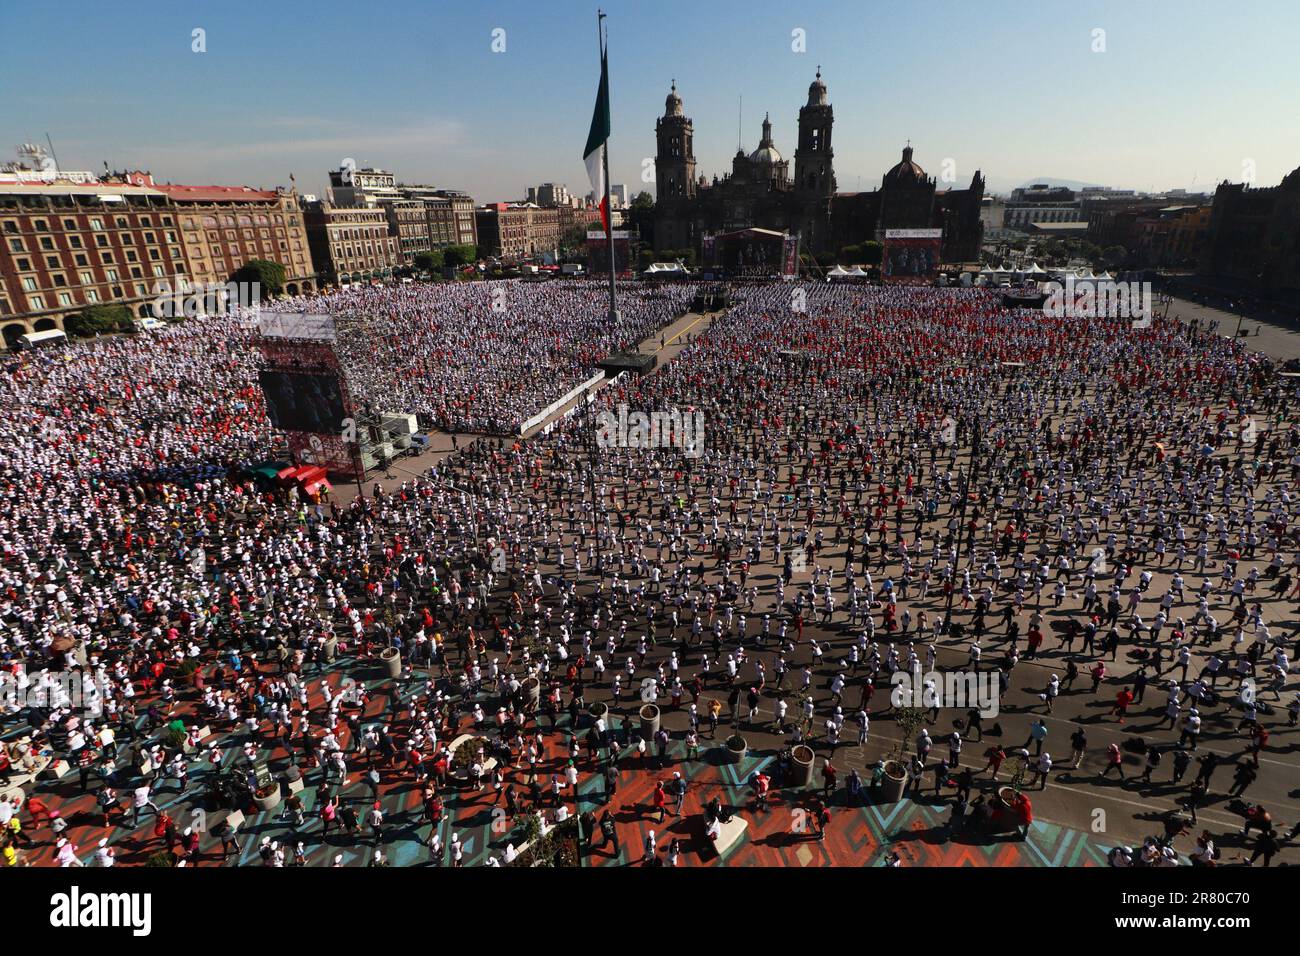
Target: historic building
<point>351,243</point>
<point>762,191</point>
<point>71,242</point>
<point>1253,237</point>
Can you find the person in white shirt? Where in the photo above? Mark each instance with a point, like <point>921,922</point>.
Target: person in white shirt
<point>105,855</point>
<point>67,853</point>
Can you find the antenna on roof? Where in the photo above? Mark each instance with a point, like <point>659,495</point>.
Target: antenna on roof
<point>740,122</point>
<point>52,152</point>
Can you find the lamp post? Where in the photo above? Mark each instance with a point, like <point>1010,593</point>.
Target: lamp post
<point>591,471</point>
<point>967,484</point>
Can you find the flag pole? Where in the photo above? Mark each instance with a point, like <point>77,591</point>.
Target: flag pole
<point>609,205</point>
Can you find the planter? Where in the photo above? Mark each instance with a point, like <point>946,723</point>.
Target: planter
<point>598,710</point>
<point>331,647</point>
<point>392,658</point>
<point>532,690</point>
<point>268,801</point>
<point>1008,797</point>
<point>649,721</point>
<point>801,766</point>
<point>894,782</point>
<point>734,748</point>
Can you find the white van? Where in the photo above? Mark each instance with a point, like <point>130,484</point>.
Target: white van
<point>149,325</point>
<point>35,340</point>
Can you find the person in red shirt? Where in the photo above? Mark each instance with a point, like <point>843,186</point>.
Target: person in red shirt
<point>1114,761</point>
<point>996,755</point>
<point>660,800</point>
<point>1035,641</point>
<point>1122,700</point>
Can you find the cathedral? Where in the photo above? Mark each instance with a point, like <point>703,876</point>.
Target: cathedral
<point>762,192</point>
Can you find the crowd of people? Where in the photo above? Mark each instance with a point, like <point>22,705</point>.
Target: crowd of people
<point>889,476</point>
<point>484,356</point>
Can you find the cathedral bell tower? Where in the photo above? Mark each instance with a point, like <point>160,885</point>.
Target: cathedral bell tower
<point>814,171</point>
<point>674,156</point>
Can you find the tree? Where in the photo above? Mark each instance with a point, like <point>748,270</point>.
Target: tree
<point>429,261</point>
<point>1114,256</point>
<point>99,319</point>
<point>268,275</point>
<point>459,255</point>
<point>872,252</point>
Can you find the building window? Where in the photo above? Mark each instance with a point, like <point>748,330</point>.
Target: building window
<point>92,295</point>
<point>29,284</point>
<point>97,225</point>
<point>36,302</point>
<point>65,298</point>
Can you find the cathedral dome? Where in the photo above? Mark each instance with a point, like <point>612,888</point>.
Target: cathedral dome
<point>817,90</point>
<point>673,103</point>
<point>906,173</point>
<point>767,153</point>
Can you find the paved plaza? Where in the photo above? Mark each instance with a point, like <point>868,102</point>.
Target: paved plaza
<point>540,494</point>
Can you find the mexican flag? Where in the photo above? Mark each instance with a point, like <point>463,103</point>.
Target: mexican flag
<point>596,139</point>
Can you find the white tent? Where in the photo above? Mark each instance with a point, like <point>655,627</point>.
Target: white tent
<point>839,271</point>
<point>1035,270</point>
<point>857,271</point>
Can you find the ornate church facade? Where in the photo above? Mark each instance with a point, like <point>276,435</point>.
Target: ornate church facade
<point>761,190</point>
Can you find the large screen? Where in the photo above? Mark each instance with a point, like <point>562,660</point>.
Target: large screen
<point>911,253</point>
<point>753,256</point>
<point>303,402</point>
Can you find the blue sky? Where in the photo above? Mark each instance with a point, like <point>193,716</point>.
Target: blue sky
<point>1186,92</point>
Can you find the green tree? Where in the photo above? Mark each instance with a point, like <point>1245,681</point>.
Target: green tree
<point>1114,256</point>
<point>268,275</point>
<point>99,319</point>
<point>455,256</point>
<point>872,252</point>
<point>429,261</point>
